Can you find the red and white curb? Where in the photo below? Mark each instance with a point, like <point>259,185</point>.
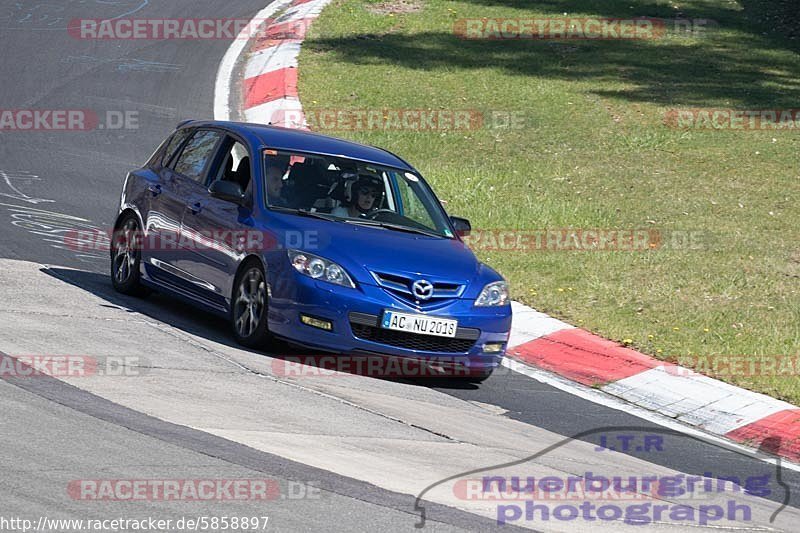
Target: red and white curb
<point>269,87</point>
<point>269,96</point>
<point>671,390</point>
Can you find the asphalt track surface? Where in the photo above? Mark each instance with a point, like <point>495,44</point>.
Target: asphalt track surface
<point>54,432</point>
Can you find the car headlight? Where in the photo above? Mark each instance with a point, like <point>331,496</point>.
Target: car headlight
<point>319,268</point>
<point>493,294</point>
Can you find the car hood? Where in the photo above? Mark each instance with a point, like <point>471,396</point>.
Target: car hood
<point>362,250</point>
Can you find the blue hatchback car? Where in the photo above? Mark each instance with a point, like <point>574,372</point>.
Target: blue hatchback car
<point>327,244</point>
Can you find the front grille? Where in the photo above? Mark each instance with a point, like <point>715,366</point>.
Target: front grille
<point>364,327</point>
<point>401,286</point>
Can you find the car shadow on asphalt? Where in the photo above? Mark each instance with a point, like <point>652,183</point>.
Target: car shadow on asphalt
<point>194,321</point>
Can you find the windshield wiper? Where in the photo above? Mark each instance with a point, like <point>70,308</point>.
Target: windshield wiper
<point>396,227</point>
<point>358,221</point>
<point>304,213</point>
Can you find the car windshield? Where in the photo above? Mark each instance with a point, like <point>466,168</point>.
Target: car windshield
<point>353,192</point>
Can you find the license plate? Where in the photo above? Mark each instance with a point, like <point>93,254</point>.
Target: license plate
<point>424,325</point>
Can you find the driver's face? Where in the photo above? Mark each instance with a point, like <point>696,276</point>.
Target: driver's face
<point>274,181</point>
<point>366,197</point>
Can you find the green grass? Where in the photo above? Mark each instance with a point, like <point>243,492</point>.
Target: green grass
<point>594,153</point>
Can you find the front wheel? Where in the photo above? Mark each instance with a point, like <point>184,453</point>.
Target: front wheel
<point>126,257</point>
<point>249,308</point>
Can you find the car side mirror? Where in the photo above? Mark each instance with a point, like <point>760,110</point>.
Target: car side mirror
<point>461,225</point>
<point>227,190</point>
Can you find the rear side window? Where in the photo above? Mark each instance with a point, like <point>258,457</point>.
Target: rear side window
<point>196,154</point>
<point>174,144</point>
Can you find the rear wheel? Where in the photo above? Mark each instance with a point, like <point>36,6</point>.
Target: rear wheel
<point>126,258</point>
<point>249,307</point>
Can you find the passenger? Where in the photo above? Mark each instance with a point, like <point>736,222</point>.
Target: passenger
<point>275,171</point>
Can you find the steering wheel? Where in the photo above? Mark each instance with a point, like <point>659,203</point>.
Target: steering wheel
<point>373,215</point>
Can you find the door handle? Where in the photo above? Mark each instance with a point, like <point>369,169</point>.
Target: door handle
<point>196,208</point>
<point>155,189</point>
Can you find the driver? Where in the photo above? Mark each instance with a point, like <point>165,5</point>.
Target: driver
<point>364,195</point>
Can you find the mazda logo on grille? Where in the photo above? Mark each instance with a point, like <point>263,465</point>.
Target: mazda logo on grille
<point>422,289</point>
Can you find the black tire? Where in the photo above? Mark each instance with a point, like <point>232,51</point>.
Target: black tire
<point>249,307</point>
<point>126,254</point>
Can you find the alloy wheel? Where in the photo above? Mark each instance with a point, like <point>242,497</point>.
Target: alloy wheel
<point>250,303</point>
<point>124,252</point>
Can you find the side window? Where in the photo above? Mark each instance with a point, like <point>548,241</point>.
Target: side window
<point>196,154</point>
<point>174,144</point>
<point>413,207</point>
<point>235,165</point>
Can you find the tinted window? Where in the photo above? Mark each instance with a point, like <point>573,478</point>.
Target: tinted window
<point>235,166</point>
<point>196,154</point>
<point>413,205</point>
<point>233,163</point>
<point>352,190</point>
<point>174,143</point>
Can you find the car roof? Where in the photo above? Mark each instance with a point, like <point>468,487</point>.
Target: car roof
<point>293,140</point>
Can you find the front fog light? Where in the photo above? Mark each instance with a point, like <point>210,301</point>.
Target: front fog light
<point>493,347</point>
<point>316,322</point>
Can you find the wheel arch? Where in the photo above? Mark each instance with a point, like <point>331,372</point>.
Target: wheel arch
<point>244,263</point>
<point>124,214</point>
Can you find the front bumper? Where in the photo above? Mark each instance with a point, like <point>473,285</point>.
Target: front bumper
<point>354,315</point>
